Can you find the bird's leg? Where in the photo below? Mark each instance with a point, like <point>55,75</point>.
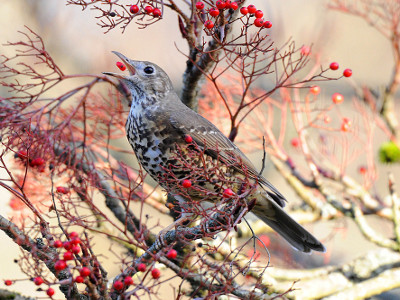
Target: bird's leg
<point>185,216</point>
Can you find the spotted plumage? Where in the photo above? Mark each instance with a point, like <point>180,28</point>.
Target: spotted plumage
<point>158,123</point>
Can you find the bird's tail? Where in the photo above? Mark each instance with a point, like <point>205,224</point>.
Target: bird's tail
<point>275,217</point>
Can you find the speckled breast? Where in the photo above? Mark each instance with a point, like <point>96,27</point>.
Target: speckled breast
<point>155,145</point>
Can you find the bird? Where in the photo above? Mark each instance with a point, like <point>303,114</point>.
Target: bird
<point>159,123</point>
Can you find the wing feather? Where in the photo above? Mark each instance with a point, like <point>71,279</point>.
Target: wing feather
<point>204,133</point>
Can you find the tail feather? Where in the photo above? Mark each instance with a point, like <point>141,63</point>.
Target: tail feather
<point>288,228</point>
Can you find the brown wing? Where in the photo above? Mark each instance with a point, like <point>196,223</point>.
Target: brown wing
<point>204,132</point>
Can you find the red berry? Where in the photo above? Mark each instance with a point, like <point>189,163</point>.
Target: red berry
<point>337,98</point>
<point>41,168</point>
<point>334,66</point>
<point>244,10</point>
<point>38,161</point>
<point>347,73</point>
<point>118,285</point>
<point>258,22</point>
<point>172,254</point>
<point>8,282</point>
<point>50,292</point>
<point>76,241</point>
<point>227,193</point>
<point>346,120</point>
<point>134,9</point>
<point>295,142</point>
<point>57,244</point>
<point>155,273</point>
<point>120,66</point>
<point>128,280</point>
<point>214,12</point>
<point>22,154</point>
<point>267,24</point>
<point>186,183</point>
<point>73,234</point>
<point>209,24</point>
<point>60,265</point>
<point>79,279</point>
<point>199,5</point>
<point>76,249</point>
<point>327,119</point>
<point>148,9</point>
<point>38,280</point>
<point>220,4</point>
<point>62,190</point>
<point>68,255</point>
<point>157,13</point>
<point>345,126</point>
<point>263,240</point>
<point>67,245</point>
<point>234,6</point>
<point>188,139</point>
<point>141,267</point>
<point>16,204</point>
<point>305,50</point>
<point>85,271</point>
<point>259,14</point>
<point>315,90</point>
<point>362,170</point>
<point>251,8</point>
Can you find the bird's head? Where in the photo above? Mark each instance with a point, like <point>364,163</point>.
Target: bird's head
<point>145,78</point>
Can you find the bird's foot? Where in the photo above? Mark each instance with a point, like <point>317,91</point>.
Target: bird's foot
<point>160,240</point>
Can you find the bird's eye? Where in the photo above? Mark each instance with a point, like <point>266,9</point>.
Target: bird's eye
<point>149,70</point>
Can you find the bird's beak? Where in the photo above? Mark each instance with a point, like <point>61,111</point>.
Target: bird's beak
<point>128,65</point>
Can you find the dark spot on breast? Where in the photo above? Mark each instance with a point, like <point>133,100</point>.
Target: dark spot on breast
<point>164,131</point>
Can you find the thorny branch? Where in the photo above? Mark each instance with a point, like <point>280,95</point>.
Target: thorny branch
<point>384,17</point>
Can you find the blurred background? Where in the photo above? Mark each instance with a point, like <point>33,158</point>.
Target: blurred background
<point>79,45</point>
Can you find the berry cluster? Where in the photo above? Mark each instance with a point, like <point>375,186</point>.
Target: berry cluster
<point>119,285</point>
<point>37,281</point>
<point>346,124</point>
<point>252,11</point>
<point>335,66</point>
<point>37,163</point>
<point>148,10</point>
<point>337,98</point>
<point>221,5</point>
<point>71,248</point>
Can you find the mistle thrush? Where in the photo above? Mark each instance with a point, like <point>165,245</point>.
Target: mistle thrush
<point>159,122</point>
